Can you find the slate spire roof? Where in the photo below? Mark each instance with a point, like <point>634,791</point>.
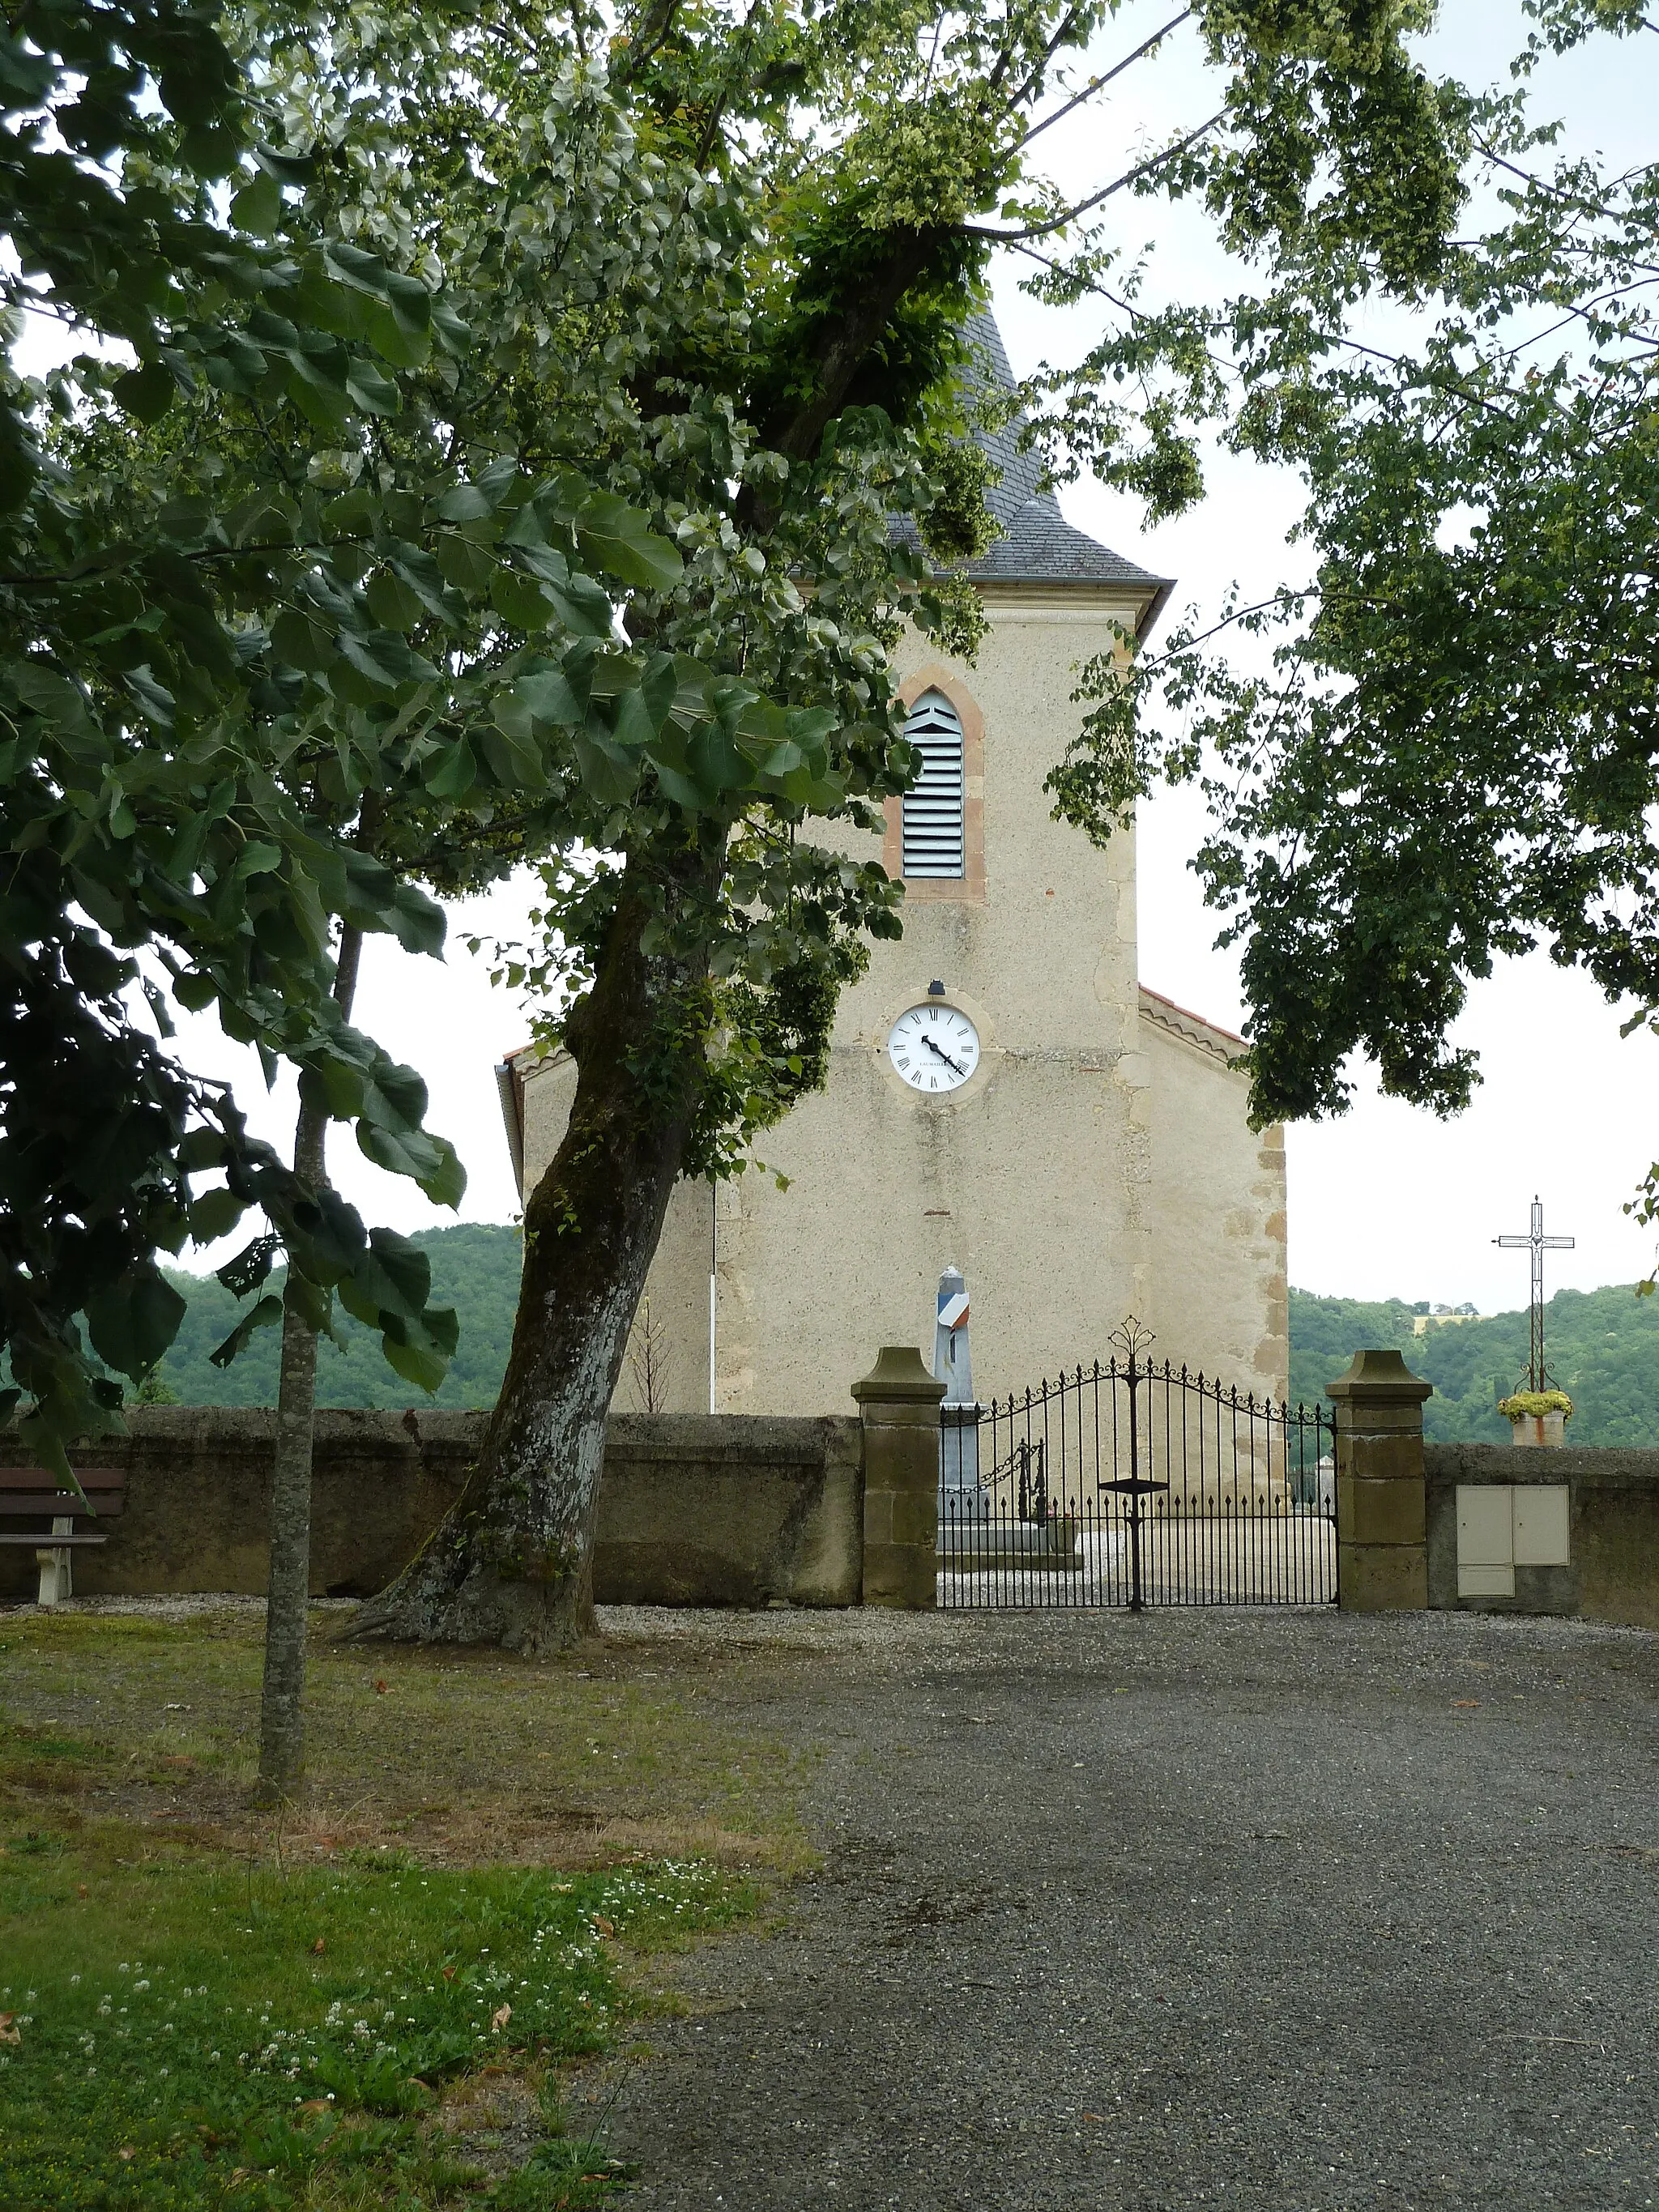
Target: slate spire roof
<point>1037,545</point>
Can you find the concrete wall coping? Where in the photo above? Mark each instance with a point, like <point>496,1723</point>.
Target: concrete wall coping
<point>1590,1467</point>
<point>768,1439</point>
<point>237,1426</point>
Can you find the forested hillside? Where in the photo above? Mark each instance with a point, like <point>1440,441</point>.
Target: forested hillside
<point>475,1268</point>
<point>1602,1347</point>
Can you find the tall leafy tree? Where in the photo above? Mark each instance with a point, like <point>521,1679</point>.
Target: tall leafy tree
<point>210,693</point>
<point>1452,753</point>
<point>140,805</point>
<point>737,247</point>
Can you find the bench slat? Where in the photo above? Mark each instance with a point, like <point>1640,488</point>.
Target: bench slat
<point>47,1542</point>
<point>17,1501</point>
<point>89,1477</point>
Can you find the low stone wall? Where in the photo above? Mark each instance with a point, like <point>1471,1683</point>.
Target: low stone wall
<point>1613,1568</point>
<point>693,1510</point>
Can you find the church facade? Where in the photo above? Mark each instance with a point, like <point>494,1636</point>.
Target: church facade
<point>1004,1096</point>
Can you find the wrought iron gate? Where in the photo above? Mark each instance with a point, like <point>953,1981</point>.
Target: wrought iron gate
<point>1136,1484</point>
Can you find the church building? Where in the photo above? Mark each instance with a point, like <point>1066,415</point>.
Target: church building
<point>1005,1095</point>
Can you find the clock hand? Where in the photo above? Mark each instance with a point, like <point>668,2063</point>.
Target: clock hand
<point>953,1063</point>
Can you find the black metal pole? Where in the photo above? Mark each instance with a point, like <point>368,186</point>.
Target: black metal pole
<point>1135,1495</point>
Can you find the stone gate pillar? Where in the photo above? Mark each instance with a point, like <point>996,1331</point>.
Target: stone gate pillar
<point>1382,1549</point>
<point>898,1402</point>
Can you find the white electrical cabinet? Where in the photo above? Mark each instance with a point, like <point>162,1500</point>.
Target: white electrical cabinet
<point>1501,1527</point>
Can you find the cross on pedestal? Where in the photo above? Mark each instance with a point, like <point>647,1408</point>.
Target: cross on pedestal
<point>1537,1243</point>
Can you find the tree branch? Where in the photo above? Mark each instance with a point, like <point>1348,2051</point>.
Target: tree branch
<point>1097,83</point>
<point>1070,215</point>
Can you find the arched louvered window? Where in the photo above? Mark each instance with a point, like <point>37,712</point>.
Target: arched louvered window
<point>935,842</point>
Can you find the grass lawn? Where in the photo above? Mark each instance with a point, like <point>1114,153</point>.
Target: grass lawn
<point>394,1995</point>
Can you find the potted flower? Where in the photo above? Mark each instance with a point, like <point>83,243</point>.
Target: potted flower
<point>1537,1417</point>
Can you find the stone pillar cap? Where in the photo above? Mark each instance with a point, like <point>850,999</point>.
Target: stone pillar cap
<point>1378,1376</point>
<point>899,1376</point>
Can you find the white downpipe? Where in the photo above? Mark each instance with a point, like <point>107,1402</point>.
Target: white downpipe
<point>712,1267</point>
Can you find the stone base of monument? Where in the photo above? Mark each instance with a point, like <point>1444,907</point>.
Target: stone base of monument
<point>976,1543</point>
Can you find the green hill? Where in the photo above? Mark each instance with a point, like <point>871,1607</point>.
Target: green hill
<point>475,1268</point>
<point>1603,1348</point>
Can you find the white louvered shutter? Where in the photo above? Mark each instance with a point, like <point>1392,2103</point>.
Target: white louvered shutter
<point>933,837</point>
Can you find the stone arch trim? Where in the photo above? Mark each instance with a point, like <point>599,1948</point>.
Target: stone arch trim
<point>968,889</point>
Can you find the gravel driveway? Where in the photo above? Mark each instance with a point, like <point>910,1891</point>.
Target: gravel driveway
<point>1297,1911</point>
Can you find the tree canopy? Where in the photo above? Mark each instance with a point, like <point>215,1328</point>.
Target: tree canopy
<point>525,467</point>
<point>1451,755</point>
<point>223,742</point>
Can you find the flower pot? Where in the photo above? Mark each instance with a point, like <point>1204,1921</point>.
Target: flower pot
<point>1548,1429</point>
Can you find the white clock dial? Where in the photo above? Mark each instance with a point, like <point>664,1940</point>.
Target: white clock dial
<point>933,1047</point>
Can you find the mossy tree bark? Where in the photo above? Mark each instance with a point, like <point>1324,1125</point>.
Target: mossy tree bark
<point>282,1699</point>
<point>510,1564</point>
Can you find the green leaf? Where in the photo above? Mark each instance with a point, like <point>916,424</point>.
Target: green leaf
<point>454,774</point>
<point>547,696</point>
<point>286,168</point>
<point>259,206</point>
<point>464,502</point>
<point>303,642</point>
<point>213,1214</point>
<point>263,1315</point>
<point>415,1363</point>
<point>391,603</point>
<point>396,1274</point>
<point>251,1266</point>
<point>521,600</point>
<point>582,606</point>
<point>465,564</point>
<point>418,921</point>
<point>373,390</point>
<point>619,540</point>
<point>134,1321</point>
<point>147,391</point>
<point>195,990</point>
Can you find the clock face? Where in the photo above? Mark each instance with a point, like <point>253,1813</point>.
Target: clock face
<point>933,1047</point>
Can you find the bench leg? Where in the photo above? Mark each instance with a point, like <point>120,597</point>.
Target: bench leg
<point>56,1576</point>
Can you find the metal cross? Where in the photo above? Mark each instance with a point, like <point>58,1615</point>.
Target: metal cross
<point>1537,1243</point>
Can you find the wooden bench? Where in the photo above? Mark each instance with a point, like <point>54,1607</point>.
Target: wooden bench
<point>28,1493</point>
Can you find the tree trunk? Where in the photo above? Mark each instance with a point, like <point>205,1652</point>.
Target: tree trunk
<point>282,1700</point>
<point>511,1563</point>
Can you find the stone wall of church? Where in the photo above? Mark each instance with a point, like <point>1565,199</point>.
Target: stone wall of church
<point>1220,1302</point>
<point>1031,1178</point>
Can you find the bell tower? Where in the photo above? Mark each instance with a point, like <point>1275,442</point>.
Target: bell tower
<point>1003,1096</point>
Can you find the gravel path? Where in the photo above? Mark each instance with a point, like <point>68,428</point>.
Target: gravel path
<point>1298,1912</point>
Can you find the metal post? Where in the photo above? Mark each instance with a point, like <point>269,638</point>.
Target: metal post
<point>1134,1492</point>
<point>1535,1240</point>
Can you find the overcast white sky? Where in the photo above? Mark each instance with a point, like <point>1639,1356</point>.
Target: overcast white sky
<point>1386,1202</point>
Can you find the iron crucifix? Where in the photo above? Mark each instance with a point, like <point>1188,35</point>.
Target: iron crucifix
<point>1537,1243</point>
